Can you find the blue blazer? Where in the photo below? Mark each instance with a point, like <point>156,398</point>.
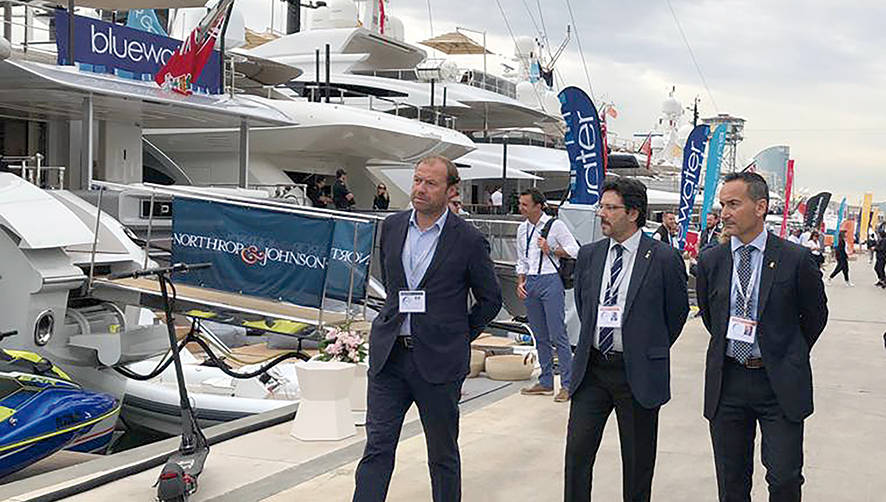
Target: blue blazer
<point>792,312</point>
<point>655,311</point>
<point>442,335</point>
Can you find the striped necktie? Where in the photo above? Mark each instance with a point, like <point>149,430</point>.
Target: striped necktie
<point>611,298</point>
<point>741,351</point>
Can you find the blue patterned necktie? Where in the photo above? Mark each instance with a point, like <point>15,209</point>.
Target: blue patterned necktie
<point>611,298</point>
<point>741,351</point>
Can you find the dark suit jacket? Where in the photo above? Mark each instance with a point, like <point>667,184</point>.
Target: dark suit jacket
<point>792,312</point>
<point>709,234</point>
<point>655,311</point>
<point>443,334</point>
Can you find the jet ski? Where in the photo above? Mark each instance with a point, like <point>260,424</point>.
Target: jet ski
<point>42,410</point>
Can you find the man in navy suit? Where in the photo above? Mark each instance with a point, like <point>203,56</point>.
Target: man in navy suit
<point>763,302</point>
<point>630,294</point>
<point>419,346</point>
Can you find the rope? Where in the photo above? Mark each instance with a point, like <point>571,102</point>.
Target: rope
<point>692,56</point>
<point>580,50</point>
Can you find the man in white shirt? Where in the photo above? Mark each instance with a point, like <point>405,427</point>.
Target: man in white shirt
<point>496,198</point>
<point>541,242</point>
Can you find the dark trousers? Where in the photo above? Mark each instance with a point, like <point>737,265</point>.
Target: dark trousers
<point>747,398</point>
<point>390,394</point>
<point>603,388</point>
<point>880,266</point>
<point>842,266</point>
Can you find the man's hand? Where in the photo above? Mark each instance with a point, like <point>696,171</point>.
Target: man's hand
<point>543,244</point>
<point>521,290</point>
<point>349,196</point>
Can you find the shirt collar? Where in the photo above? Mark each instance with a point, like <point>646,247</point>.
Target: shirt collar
<point>438,224</point>
<point>541,221</point>
<point>759,242</point>
<point>631,244</point>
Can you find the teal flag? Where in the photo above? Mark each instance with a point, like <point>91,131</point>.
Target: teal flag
<point>145,20</point>
<point>712,173</point>
<point>839,222</point>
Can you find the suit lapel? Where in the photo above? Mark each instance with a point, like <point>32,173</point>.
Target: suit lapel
<point>598,260</point>
<point>770,264</point>
<point>724,284</point>
<point>401,230</point>
<point>443,245</point>
<point>641,265</point>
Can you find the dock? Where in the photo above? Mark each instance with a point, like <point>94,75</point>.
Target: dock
<point>512,446</point>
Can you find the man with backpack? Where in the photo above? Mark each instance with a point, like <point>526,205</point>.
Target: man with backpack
<point>546,250</point>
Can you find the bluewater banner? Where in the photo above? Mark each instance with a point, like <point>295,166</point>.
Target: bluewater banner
<point>815,207</point>
<point>712,173</point>
<point>584,144</point>
<point>111,48</point>
<point>345,258</point>
<point>840,215</point>
<point>693,159</point>
<point>253,251</point>
<point>145,20</point>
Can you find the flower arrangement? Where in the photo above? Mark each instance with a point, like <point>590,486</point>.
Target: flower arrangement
<point>343,344</point>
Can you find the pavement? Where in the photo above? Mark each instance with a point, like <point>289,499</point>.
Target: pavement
<point>513,449</point>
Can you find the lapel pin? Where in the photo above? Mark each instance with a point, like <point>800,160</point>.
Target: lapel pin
<point>771,264</point>
<point>648,253</point>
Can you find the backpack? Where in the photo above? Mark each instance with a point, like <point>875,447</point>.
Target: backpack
<point>566,267</point>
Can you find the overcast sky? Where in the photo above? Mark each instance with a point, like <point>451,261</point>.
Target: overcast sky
<point>810,74</point>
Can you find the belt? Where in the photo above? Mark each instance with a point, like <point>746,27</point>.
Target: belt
<point>612,356</point>
<point>405,342</point>
<point>753,363</point>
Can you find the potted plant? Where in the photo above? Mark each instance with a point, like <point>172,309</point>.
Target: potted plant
<point>344,344</point>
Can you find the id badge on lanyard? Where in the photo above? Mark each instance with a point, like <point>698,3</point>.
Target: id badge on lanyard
<point>741,328</point>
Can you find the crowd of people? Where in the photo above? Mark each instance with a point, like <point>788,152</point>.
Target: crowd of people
<point>631,295</point>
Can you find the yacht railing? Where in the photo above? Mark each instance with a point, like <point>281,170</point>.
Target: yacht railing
<point>473,78</point>
<point>24,35</point>
<point>422,113</point>
<point>31,168</point>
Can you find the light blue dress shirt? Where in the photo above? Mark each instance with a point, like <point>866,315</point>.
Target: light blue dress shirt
<point>418,252</point>
<point>759,245</point>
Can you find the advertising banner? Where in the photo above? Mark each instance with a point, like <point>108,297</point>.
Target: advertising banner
<point>693,159</point>
<point>345,258</point>
<point>840,215</point>
<point>584,144</point>
<point>145,20</point>
<point>712,173</point>
<point>815,207</point>
<point>253,251</point>
<point>115,49</point>
<point>865,217</point>
<point>787,199</point>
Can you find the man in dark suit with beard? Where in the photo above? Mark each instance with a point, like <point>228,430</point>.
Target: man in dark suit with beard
<point>630,294</point>
<point>763,301</point>
<point>419,348</point>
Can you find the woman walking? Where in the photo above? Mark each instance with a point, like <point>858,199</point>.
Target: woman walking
<point>842,260</point>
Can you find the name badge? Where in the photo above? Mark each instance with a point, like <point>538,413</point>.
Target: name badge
<point>609,316</point>
<point>742,330</point>
<point>412,302</point>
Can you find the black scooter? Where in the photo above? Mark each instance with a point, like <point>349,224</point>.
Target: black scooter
<point>178,480</point>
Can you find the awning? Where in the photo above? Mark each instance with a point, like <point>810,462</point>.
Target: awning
<point>138,4</point>
<point>455,43</point>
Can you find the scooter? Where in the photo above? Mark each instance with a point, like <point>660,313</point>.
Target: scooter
<point>178,480</point>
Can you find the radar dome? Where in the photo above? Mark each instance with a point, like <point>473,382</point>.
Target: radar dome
<point>526,94</point>
<point>671,106</point>
<point>336,14</point>
<point>394,27</point>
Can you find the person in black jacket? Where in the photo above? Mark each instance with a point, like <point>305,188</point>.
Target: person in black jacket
<point>763,302</point>
<point>341,196</point>
<point>631,298</point>
<point>880,265</point>
<point>842,260</point>
<point>419,346</point>
<point>382,199</point>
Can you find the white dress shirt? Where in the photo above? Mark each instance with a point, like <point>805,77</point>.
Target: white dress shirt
<point>529,252</point>
<point>628,256</point>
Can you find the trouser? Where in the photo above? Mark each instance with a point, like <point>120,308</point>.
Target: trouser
<point>604,387</point>
<point>390,393</point>
<point>747,398</point>
<point>842,266</point>
<point>880,266</point>
<point>546,309</point>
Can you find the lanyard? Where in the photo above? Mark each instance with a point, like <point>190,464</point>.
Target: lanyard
<point>745,295</point>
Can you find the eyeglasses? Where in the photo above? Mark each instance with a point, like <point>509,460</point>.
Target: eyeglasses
<point>609,208</point>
